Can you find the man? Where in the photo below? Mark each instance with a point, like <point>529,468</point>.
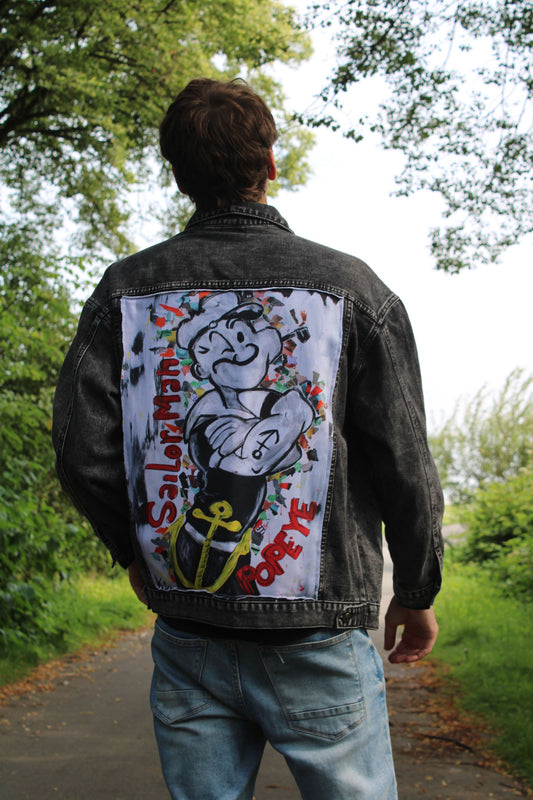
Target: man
<point>239,412</point>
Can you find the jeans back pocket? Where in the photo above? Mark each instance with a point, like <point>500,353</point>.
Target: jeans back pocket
<point>176,693</point>
<point>318,685</point>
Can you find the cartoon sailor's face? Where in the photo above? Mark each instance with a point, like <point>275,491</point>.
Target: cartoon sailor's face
<point>231,352</point>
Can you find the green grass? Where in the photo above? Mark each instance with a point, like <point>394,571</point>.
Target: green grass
<point>85,612</point>
<point>486,640</point>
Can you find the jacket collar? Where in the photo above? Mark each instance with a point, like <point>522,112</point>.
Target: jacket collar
<point>238,214</point>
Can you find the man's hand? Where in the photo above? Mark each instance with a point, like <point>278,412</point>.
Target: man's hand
<point>418,636</point>
<point>137,581</point>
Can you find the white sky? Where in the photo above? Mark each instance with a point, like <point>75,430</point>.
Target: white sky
<point>471,329</point>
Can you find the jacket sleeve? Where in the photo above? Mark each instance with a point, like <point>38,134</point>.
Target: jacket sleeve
<point>87,431</point>
<point>390,426</point>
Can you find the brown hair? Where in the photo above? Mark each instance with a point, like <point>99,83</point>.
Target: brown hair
<point>217,137</point>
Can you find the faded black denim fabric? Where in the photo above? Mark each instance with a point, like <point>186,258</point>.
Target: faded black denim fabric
<point>382,469</point>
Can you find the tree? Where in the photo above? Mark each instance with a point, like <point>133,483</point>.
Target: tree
<point>488,439</point>
<point>84,84</point>
<point>455,82</point>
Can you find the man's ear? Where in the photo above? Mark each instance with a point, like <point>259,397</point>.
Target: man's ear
<point>272,171</point>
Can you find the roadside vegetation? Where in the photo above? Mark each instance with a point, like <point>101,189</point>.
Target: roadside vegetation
<point>485,611</point>
<point>484,657</point>
<point>57,590</point>
<point>68,617</point>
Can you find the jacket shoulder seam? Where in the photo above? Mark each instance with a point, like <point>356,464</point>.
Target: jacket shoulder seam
<point>378,319</point>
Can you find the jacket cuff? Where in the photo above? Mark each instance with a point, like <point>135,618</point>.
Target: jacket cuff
<point>419,599</point>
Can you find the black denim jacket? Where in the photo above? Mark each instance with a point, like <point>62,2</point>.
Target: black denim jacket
<point>240,411</point>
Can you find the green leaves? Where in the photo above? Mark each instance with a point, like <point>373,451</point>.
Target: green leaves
<point>83,87</point>
<point>36,323</point>
<point>484,454</point>
<point>42,538</point>
<point>456,85</point>
<point>488,439</point>
<point>500,534</point>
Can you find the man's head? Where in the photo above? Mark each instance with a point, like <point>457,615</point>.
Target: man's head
<point>218,138</point>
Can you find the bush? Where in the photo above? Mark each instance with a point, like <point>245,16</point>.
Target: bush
<point>44,543</point>
<point>42,547</point>
<point>500,533</point>
<point>43,540</point>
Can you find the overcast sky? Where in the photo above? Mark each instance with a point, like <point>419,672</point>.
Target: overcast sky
<point>473,328</point>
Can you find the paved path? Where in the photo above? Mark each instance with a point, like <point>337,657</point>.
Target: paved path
<point>90,738</point>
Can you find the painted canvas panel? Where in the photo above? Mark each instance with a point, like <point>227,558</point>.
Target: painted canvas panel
<point>228,440</point>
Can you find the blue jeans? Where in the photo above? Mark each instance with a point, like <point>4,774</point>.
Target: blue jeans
<point>320,702</point>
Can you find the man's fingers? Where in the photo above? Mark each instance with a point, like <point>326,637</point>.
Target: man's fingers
<point>390,636</point>
<point>408,655</point>
<point>412,647</point>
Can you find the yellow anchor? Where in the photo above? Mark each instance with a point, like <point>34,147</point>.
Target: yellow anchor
<point>221,512</point>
